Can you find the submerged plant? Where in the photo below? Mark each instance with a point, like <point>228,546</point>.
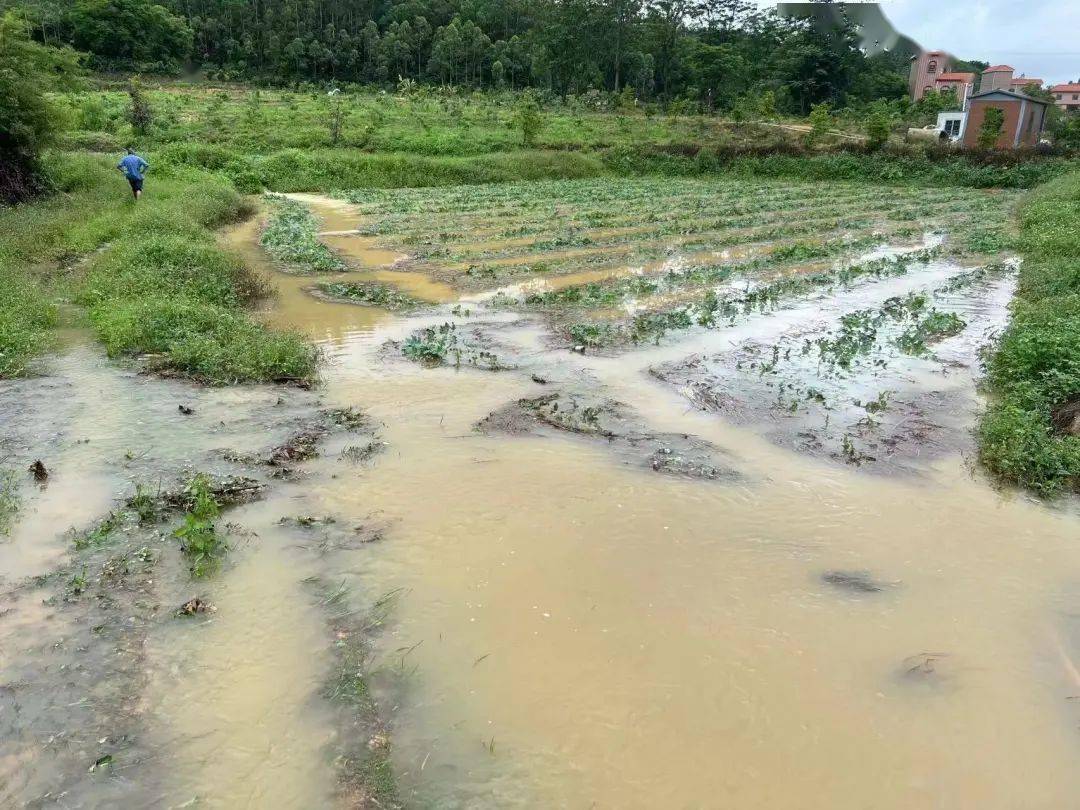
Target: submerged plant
<point>369,293</point>
<point>198,535</point>
<point>292,237</point>
<point>935,326</point>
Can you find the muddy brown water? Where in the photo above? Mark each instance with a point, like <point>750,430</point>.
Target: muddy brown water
<point>570,630</point>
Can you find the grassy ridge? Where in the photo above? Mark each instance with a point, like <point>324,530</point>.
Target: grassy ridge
<point>327,169</point>
<point>1035,370</point>
<point>156,280</point>
<point>888,167</point>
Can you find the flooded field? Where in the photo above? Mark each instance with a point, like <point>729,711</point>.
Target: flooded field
<point>640,494</point>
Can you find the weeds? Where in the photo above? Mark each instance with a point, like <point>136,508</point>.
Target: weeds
<point>292,237</point>
<point>199,539</point>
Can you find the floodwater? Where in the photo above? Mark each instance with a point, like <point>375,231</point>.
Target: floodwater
<point>573,631</point>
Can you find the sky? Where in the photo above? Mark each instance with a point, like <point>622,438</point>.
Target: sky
<point>1040,38</point>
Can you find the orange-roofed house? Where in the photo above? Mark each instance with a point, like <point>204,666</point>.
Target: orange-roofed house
<point>963,84</point>
<point>1067,97</point>
<point>1021,83</point>
<point>998,77</point>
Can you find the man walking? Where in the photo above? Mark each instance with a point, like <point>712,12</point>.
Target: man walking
<point>133,167</point>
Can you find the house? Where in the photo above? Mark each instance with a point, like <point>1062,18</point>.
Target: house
<point>963,84</point>
<point>1021,82</point>
<point>1067,97</point>
<point>926,67</point>
<point>998,77</point>
<point>1024,118</point>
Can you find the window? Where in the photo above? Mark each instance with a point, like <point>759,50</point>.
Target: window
<point>1076,96</point>
<point>952,128</point>
<point>931,66</point>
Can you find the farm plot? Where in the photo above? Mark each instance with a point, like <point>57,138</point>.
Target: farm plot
<point>645,246</point>
<point>843,320</point>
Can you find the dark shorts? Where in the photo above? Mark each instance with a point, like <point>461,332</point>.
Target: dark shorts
<point>136,183</point>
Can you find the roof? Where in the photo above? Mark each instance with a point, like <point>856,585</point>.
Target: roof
<point>956,77</point>
<point>1009,95</point>
<point>1000,69</point>
<point>1024,80</point>
<point>1068,87</point>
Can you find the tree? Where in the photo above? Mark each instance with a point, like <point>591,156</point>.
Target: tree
<point>140,114</point>
<point>990,128</point>
<point>128,34</point>
<point>820,121</point>
<point>527,118</point>
<point>28,119</point>
<point>878,125</point>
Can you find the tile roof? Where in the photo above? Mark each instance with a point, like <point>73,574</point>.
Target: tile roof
<point>956,77</point>
<point>999,69</point>
<point>1071,87</point>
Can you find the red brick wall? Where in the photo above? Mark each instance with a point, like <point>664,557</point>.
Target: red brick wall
<point>976,114</point>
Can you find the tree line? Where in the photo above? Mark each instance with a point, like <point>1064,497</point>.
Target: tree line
<point>712,52</point>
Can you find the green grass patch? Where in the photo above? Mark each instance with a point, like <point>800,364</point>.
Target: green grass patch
<point>369,293</point>
<point>1034,371</point>
<point>211,343</point>
<point>151,274</point>
<point>292,237</point>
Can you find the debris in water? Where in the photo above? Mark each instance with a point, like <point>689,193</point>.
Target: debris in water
<point>536,378</point>
<point>922,665</point>
<point>186,410</point>
<point>858,581</point>
<point>40,473</point>
<point>592,415</point>
<point>100,763</point>
<point>193,606</point>
<point>300,447</point>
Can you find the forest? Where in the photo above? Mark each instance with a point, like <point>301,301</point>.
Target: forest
<point>714,52</point>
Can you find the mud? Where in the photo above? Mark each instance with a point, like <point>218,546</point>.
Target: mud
<point>77,723</point>
<point>882,410</point>
<point>589,416</point>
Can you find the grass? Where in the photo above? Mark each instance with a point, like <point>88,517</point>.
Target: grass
<point>369,293</point>
<point>9,500</point>
<point>26,318</point>
<point>292,237</point>
<point>283,141</point>
<point>1034,370</point>
<point>151,275</point>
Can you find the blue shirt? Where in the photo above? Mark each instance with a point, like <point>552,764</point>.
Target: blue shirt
<point>133,167</point>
